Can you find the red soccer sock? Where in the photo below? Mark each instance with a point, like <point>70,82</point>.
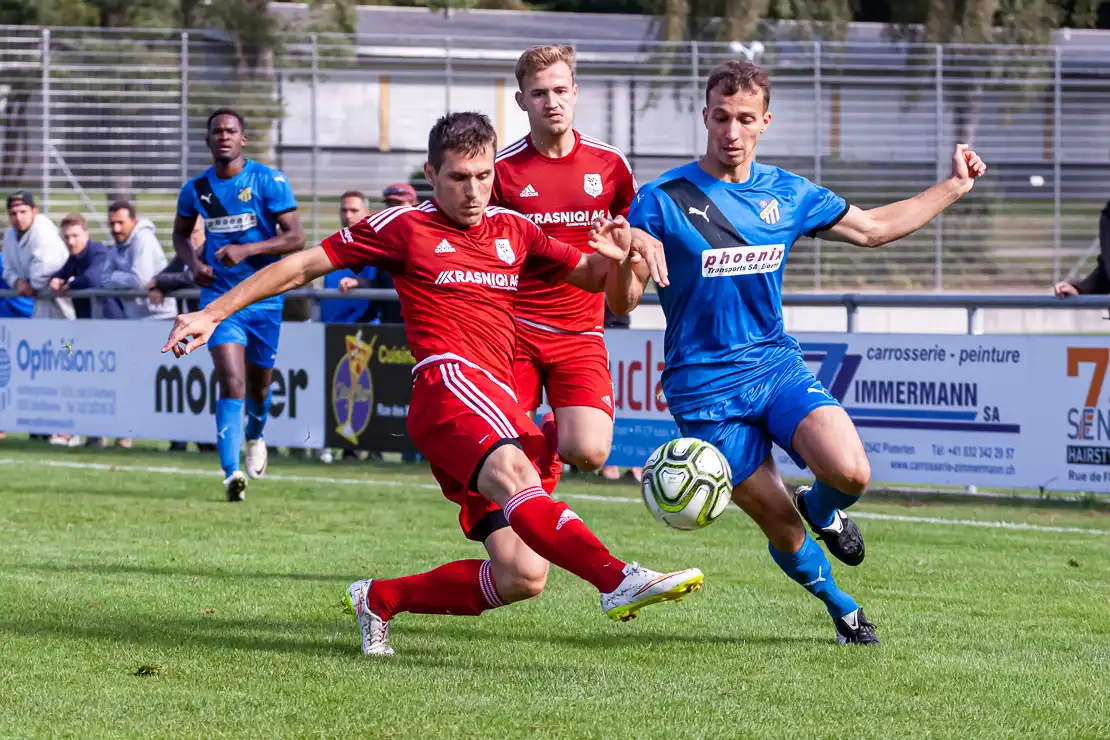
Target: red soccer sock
<point>462,588</point>
<point>556,534</point>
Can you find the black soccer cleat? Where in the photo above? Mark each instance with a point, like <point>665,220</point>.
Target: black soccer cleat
<point>842,537</point>
<point>236,486</point>
<point>854,629</point>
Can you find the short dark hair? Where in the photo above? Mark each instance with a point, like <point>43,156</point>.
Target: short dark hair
<point>122,205</point>
<point>735,76</point>
<point>226,112</point>
<point>468,132</point>
<point>355,193</point>
<point>73,219</point>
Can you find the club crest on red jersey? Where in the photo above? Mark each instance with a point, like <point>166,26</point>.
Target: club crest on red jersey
<point>505,251</point>
<point>592,185</point>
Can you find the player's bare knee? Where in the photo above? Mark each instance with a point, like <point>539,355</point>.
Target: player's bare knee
<point>233,386</point>
<point>586,457</point>
<point>523,581</point>
<point>505,473</point>
<point>852,476</point>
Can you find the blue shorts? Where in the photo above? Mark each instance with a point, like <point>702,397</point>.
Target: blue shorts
<point>257,329</point>
<point>768,410</point>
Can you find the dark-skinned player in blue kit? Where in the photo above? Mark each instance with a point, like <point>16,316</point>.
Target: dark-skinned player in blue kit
<point>733,376</point>
<point>250,221</point>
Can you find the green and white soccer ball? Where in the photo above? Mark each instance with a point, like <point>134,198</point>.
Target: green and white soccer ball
<point>687,483</point>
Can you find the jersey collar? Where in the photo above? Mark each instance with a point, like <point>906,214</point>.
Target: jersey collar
<point>573,150</point>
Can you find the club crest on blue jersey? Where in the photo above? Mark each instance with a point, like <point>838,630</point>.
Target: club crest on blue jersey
<point>769,212</point>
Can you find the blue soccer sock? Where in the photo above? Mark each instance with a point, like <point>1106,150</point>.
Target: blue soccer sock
<point>257,414</point>
<point>811,568</point>
<point>229,432</point>
<point>822,500</point>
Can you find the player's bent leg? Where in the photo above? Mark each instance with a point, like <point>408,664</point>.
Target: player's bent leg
<point>518,572</point>
<point>585,436</point>
<point>258,397</point>
<point>460,588</point>
<point>763,497</point>
<point>557,534</point>
<point>828,442</point>
<point>228,359</point>
<point>263,328</point>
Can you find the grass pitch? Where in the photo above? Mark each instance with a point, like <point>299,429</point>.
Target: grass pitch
<point>136,603</point>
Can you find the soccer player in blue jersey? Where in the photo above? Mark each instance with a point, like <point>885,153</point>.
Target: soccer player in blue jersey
<point>250,219</point>
<point>733,376</point>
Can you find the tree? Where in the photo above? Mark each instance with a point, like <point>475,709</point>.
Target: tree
<point>748,20</point>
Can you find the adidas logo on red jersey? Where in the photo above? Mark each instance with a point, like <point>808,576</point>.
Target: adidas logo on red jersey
<point>529,192</point>
<point>443,247</point>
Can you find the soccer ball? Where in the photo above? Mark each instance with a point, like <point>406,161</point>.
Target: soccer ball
<point>687,483</point>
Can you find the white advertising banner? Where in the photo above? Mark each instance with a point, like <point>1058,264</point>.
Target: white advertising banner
<point>1005,411</point>
<point>109,378</point>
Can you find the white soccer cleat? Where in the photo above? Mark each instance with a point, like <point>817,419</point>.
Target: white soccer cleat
<point>375,630</point>
<point>235,486</point>
<point>642,587</point>
<point>257,457</point>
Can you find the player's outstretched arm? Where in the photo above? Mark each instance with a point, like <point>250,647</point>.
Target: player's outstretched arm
<point>625,281</point>
<point>611,268</point>
<point>879,226</point>
<point>192,330</point>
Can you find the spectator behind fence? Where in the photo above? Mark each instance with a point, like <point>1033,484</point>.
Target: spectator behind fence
<point>33,251</point>
<point>177,275</point>
<point>132,263</point>
<point>84,268</point>
<point>353,207</point>
<point>1098,282</point>
<point>13,308</point>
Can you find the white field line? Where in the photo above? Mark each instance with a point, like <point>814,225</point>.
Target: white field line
<point>109,468</point>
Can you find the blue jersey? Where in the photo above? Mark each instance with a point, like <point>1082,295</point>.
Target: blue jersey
<point>241,210</point>
<point>726,245</point>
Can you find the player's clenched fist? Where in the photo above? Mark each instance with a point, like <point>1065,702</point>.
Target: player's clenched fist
<point>966,166</point>
<point>190,330</point>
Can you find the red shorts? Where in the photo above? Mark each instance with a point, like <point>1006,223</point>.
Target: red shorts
<point>574,368</point>
<point>458,415</point>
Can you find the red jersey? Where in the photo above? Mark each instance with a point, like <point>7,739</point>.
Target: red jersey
<point>457,285</point>
<point>563,197</point>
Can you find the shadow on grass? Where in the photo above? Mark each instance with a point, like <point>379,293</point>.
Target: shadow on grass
<point>339,637</point>
<point>593,640</point>
<point>209,632</point>
<point>183,572</point>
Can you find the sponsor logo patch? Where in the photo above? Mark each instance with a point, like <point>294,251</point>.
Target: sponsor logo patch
<point>745,260</point>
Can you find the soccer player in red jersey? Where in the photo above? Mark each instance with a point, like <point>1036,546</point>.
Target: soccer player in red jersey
<point>457,264</point>
<point>563,181</point>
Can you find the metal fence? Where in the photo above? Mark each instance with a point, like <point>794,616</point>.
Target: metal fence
<point>91,115</point>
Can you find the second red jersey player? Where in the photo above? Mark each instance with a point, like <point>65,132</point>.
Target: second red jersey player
<point>563,182</point>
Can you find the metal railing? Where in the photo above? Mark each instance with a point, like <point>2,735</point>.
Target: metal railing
<point>972,303</point>
<point>92,114</point>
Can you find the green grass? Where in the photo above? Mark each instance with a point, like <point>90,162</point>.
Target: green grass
<point>139,604</point>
